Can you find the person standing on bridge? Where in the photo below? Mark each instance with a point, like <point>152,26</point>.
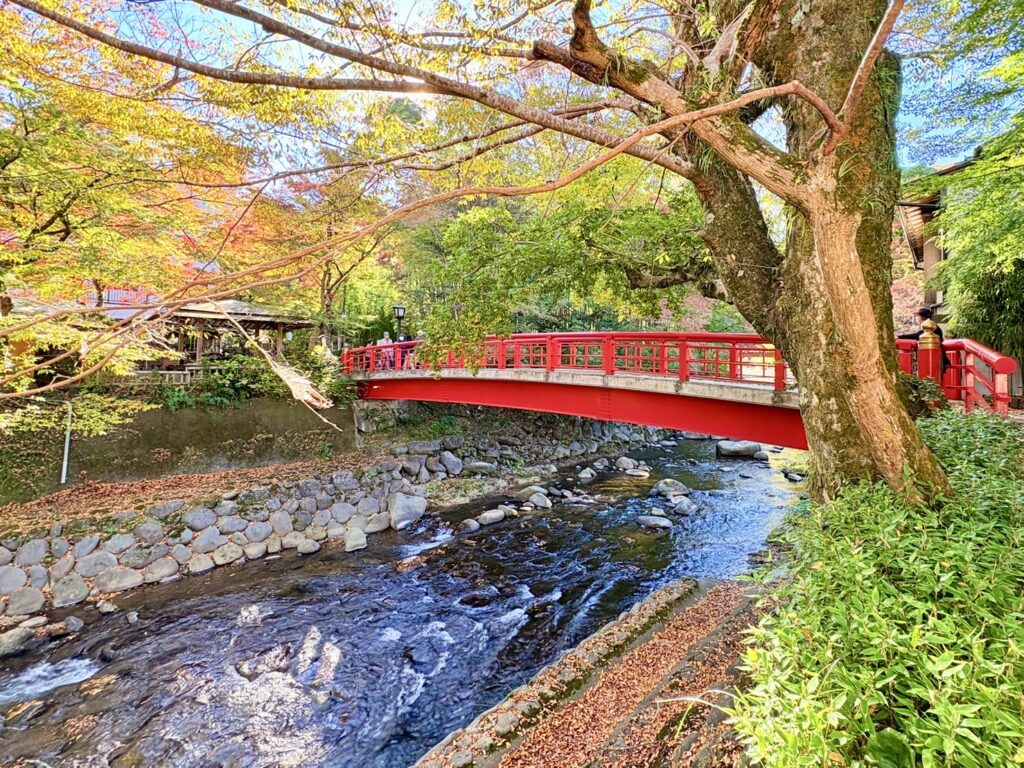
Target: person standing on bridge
<point>387,355</point>
<point>922,315</point>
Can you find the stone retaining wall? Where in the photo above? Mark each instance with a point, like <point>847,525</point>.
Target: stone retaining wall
<point>52,569</point>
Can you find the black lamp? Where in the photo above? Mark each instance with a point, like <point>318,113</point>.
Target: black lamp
<point>399,314</point>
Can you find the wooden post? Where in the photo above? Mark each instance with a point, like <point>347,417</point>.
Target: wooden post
<point>200,328</point>
<point>279,350</point>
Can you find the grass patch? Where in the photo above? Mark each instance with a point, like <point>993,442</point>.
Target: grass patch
<point>899,638</point>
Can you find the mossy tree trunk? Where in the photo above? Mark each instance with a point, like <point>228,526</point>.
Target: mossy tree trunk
<point>824,297</point>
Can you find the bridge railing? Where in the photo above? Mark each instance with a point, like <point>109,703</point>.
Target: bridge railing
<point>974,374</point>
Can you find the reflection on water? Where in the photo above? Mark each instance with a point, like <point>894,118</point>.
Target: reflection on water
<point>367,659</point>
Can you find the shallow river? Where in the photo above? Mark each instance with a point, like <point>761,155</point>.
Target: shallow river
<point>365,660</point>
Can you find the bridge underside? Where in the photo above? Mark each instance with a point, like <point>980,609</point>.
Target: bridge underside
<point>745,413</point>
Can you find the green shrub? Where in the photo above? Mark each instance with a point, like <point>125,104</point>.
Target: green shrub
<point>236,380</point>
<point>899,639</point>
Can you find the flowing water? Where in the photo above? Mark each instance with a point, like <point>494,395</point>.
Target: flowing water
<point>365,660</point>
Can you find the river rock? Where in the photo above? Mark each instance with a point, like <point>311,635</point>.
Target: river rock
<point>684,507</point>
<point>506,723</point>
<point>335,530</point>
<point>38,575</point>
<point>186,536</point>
<point>6,556</point>
<point>368,506</point>
<point>434,464</point>
<point>257,532</point>
<point>323,517</point>
<point>95,564</point>
<point>31,552</point>
<point>404,510</point>
<point>669,488</point>
<point>208,540</point>
<point>16,641</point>
<point>62,567</point>
<point>600,464</point>
<point>761,456</point>
<point>424,446</point>
<point>160,569</point>
<point>540,501</point>
<point>11,578</point>
<point>73,624</point>
<point>307,547</point>
<point>530,490</point>
<point>160,511</point>
<point>199,518</point>
<point>227,553</point>
<point>638,473</point>
<point>69,591</point>
<point>342,511</point>
<point>491,516</point>
<point>652,521</point>
<point>354,539</point>
<point>226,508</point>
<point>25,600</point>
<point>254,550</point>
<point>200,563</point>
<point>117,580</point>
<point>586,474</point>
<point>481,467</point>
<point>273,544</point>
<point>737,448</point>
<point>309,487</point>
<point>140,557</point>
<point>85,546</point>
<point>316,532</point>
<point>58,548</point>
<point>231,525</point>
<point>281,522</point>
<point>181,553</point>
<point>624,462</point>
<point>452,463</point>
<point>292,539</point>
<point>470,525</point>
<point>377,523</point>
<point>118,543</point>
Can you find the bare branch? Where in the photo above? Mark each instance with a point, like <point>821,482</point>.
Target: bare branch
<point>231,75</point>
<point>860,80</point>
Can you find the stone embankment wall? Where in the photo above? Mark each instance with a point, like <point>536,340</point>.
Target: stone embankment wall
<point>52,569</point>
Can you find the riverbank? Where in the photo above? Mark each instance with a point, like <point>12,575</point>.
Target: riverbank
<point>62,560</point>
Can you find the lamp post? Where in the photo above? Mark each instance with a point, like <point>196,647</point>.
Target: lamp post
<point>399,314</point>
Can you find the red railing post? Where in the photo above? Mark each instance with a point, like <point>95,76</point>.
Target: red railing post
<point>501,353</point>
<point>552,345</point>
<point>969,384</point>
<point>780,371</point>
<point>734,362</point>
<point>608,355</point>
<point>516,356</point>
<point>1001,393</point>
<point>684,359</point>
<point>929,353</point>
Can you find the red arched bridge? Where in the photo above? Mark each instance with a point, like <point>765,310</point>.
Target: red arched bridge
<point>716,383</point>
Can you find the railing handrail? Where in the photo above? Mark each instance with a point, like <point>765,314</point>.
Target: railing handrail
<point>973,373</point>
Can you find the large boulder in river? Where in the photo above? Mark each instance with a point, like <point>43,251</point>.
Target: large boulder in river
<point>530,490</point>
<point>654,521</point>
<point>669,488</point>
<point>405,510</point>
<point>746,448</point>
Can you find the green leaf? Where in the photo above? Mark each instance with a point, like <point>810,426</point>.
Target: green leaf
<point>890,749</point>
